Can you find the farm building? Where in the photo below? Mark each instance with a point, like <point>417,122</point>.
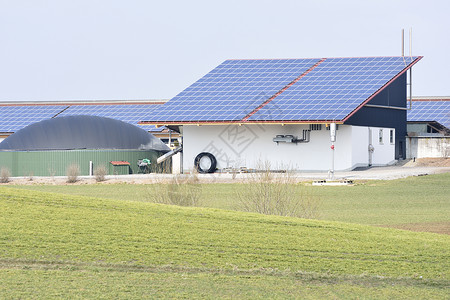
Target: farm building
<point>245,112</point>
<point>49,147</point>
<point>16,115</point>
<point>429,127</point>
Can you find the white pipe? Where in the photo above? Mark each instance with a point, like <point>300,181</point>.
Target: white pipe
<point>168,155</point>
<point>410,69</point>
<point>333,139</point>
<point>410,42</point>
<point>410,88</point>
<point>403,42</point>
<point>170,137</point>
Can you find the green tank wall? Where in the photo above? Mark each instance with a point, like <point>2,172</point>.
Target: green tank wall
<point>55,163</point>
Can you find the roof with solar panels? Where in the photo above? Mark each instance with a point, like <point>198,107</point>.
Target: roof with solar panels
<point>430,109</point>
<point>17,115</point>
<point>248,91</point>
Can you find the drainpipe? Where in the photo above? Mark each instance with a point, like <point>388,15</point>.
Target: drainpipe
<point>333,139</point>
<point>410,88</point>
<point>410,69</point>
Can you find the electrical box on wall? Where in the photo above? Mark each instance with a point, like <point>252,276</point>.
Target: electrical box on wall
<point>288,138</point>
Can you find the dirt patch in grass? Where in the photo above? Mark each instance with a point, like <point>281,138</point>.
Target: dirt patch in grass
<point>429,162</point>
<point>435,227</point>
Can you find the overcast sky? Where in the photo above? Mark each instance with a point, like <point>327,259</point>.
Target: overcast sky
<point>137,49</point>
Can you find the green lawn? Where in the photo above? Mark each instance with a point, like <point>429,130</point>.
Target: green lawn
<point>422,199</point>
<point>65,246</point>
<point>109,284</point>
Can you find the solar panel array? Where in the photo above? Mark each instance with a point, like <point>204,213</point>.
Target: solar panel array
<point>130,113</point>
<point>16,117</point>
<point>329,91</point>
<point>332,90</point>
<point>232,90</point>
<point>429,111</point>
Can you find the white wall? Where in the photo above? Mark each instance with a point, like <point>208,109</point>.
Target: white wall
<point>384,152</point>
<point>420,147</point>
<point>360,146</point>
<point>176,163</point>
<point>244,146</point>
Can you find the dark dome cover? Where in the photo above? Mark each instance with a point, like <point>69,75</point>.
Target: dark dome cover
<point>82,132</point>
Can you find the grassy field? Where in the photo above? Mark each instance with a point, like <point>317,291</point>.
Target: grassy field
<point>420,203</point>
<point>54,245</point>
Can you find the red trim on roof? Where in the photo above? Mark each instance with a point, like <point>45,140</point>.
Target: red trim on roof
<point>34,104</point>
<point>239,122</point>
<point>430,100</point>
<point>83,103</point>
<point>282,90</point>
<point>290,58</point>
<point>382,88</point>
<point>122,103</point>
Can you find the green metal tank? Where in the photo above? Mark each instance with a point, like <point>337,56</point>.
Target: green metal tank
<point>49,147</point>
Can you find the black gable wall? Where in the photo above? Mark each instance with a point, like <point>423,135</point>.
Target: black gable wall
<point>393,95</point>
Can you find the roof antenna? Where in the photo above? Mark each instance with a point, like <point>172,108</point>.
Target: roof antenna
<point>410,69</point>
<point>410,42</point>
<point>403,42</point>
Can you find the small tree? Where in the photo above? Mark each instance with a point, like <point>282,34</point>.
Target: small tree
<point>73,171</point>
<point>100,173</point>
<point>5,173</point>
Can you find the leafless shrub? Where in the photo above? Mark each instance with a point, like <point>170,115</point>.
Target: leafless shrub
<point>73,171</point>
<point>277,193</point>
<point>30,176</point>
<point>5,173</point>
<point>100,173</point>
<point>51,172</point>
<point>182,190</point>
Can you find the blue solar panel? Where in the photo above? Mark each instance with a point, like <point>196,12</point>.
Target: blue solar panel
<point>130,113</point>
<point>429,111</point>
<point>13,118</point>
<point>333,89</point>
<point>232,90</point>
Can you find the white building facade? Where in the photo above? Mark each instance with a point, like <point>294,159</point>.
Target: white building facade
<point>250,146</point>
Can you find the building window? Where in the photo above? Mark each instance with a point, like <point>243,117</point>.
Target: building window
<point>431,129</point>
<point>380,136</point>
<point>315,126</point>
<point>391,136</point>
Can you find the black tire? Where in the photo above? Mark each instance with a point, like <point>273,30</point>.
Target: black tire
<point>212,166</point>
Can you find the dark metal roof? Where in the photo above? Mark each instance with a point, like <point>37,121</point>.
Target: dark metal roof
<point>81,132</point>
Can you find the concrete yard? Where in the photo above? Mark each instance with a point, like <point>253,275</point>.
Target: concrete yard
<point>402,169</point>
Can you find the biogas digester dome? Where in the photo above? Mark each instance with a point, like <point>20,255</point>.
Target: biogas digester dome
<point>48,147</point>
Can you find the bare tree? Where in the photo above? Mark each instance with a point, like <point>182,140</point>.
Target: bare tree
<point>73,171</point>
<point>277,193</point>
<point>5,173</point>
<point>100,173</point>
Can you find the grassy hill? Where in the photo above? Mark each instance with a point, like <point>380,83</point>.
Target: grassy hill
<point>419,201</point>
<point>75,246</point>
